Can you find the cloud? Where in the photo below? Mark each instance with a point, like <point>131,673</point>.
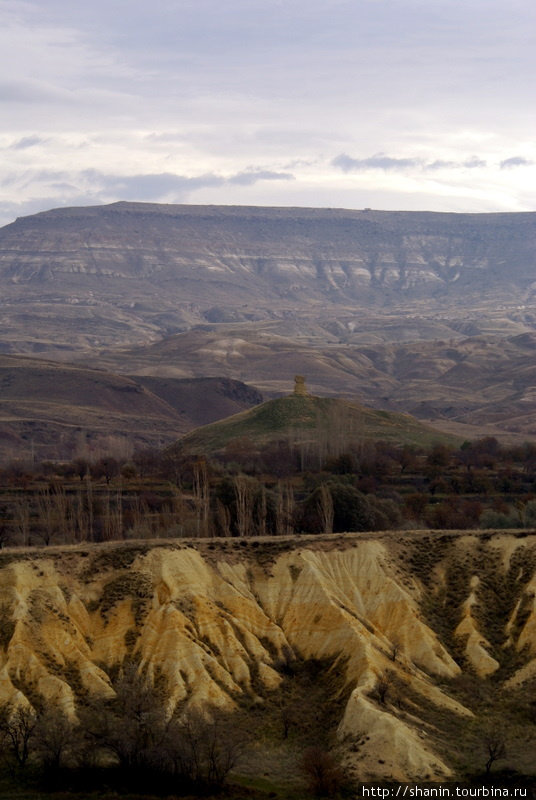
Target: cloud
<point>156,186</point>
<point>249,178</point>
<point>311,93</point>
<point>474,163</point>
<point>101,186</point>
<point>387,163</point>
<point>22,92</point>
<point>148,187</point>
<point>10,211</point>
<point>515,161</point>
<point>439,164</point>
<point>26,142</point>
<point>380,161</point>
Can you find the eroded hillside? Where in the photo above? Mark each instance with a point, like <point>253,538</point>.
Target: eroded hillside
<point>129,273</point>
<point>410,634</point>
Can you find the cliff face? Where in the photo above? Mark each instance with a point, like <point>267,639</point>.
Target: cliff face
<point>223,621</point>
<point>129,272</point>
<point>321,252</point>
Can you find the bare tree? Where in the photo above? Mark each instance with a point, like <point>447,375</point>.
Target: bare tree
<point>202,496</point>
<point>223,518</point>
<point>383,686</point>
<point>325,508</point>
<point>21,520</point>
<point>90,512</point>
<point>54,737</point>
<point>77,518</point>
<point>204,748</point>
<point>494,747</point>
<point>113,515</point>
<point>323,774</point>
<point>261,512</point>
<point>131,726</point>
<point>395,649</point>
<point>4,534</point>
<point>284,508</point>
<point>47,526</point>
<point>244,505</point>
<point>137,731</point>
<point>17,726</point>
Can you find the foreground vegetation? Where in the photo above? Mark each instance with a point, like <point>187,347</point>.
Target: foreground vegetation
<point>130,744</point>
<point>283,487</point>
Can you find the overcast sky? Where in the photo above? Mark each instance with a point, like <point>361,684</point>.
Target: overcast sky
<point>391,104</point>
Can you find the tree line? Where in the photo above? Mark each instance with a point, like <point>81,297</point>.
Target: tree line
<point>368,486</point>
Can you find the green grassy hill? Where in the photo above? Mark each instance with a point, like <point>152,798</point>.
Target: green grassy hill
<point>309,419</point>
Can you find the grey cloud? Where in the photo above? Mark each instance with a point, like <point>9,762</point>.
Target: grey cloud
<point>49,175</point>
<point>348,164</point>
<point>91,186</point>
<point>30,91</point>
<point>474,163</point>
<point>439,164</point>
<point>32,177</point>
<point>515,161</point>
<point>102,187</point>
<point>470,163</point>
<point>380,161</point>
<point>10,211</point>
<point>249,178</point>
<point>155,186</point>
<point>150,187</point>
<point>26,142</point>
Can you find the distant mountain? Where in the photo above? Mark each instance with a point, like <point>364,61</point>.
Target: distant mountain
<point>432,314</point>
<point>128,273</point>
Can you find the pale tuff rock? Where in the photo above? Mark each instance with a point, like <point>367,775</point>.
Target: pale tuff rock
<point>46,638</point>
<point>347,602</point>
<point>389,748</point>
<point>527,637</point>
<point>220,627</point>
<point>475,644</point>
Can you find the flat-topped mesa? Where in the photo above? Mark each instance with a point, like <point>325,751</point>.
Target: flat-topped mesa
<point>299,386</point>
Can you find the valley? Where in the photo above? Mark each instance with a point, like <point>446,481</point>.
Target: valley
<point>267,480</point>
<point>431,314</point>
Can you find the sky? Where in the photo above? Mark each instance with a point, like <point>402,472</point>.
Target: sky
<point>386,104</point>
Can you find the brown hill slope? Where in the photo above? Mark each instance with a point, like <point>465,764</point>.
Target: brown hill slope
<point>417,643</point>
<point>50,410</point>
<point>481,384</point>
<point>201,401</point>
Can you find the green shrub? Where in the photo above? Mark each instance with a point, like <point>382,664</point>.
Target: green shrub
<point>499,520</point>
